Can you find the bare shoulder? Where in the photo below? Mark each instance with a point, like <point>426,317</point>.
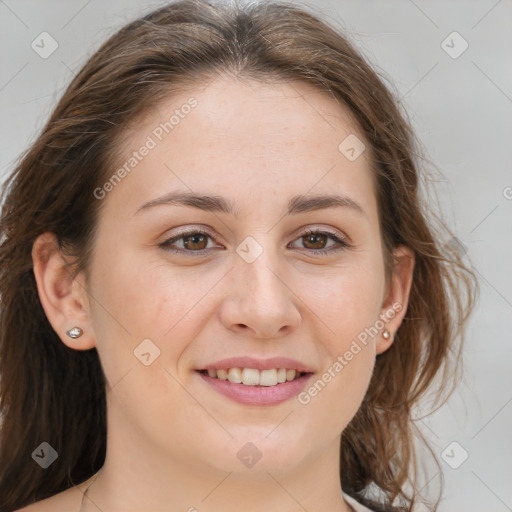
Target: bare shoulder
<point>69,500</point>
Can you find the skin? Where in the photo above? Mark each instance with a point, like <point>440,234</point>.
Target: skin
<point>172,440</point>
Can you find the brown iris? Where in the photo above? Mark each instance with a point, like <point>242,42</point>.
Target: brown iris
<point>313,239</point>
<point>191,241</point>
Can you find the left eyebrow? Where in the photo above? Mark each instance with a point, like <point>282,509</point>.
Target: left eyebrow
<point>297,204</point>
<point>304,203</point>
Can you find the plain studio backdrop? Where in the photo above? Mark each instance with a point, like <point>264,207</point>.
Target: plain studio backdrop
<point>449,62</point>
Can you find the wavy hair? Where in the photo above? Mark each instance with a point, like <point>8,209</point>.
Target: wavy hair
<point>48,391</point>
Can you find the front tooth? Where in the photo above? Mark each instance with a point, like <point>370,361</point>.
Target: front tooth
<point>222,374</point>
<point>268,377</point>
<point>290,374</point>
<point>235,375</point>
<point>250,377</point>
<point>281,375</point>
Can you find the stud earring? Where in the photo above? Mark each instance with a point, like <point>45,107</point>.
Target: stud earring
<point>386,334</point>
<point>75,332</point>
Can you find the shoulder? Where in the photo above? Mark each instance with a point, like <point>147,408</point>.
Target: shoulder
<point>356,506</point>
<point>70,499</point>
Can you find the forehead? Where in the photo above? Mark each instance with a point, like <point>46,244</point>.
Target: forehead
<point>250,138</point>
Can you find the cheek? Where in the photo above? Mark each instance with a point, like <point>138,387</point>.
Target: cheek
<point>142,320</point>
<point>349,307</point>
<point>346,300</point>
<point>335,395</point>
<point>140,298</point>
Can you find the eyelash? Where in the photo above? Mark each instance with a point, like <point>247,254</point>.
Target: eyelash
<point>343,243</point>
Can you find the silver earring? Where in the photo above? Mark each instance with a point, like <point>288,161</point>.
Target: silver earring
<point>386,334</point>
<point>75,332</point>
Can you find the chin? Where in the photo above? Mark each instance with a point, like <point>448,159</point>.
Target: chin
<point>253,454</point>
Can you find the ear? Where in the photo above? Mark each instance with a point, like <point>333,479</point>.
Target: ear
<point>64,299</point>
<point>395,302</point>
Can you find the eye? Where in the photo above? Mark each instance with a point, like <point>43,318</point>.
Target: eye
<point>193,242</point>
<point>316,240</point>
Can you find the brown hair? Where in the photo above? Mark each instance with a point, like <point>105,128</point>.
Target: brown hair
<point>51,393</point>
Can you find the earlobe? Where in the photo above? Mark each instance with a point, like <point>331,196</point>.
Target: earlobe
<point>385,340</point>
<point>63,298</point>
<point>397,297</point>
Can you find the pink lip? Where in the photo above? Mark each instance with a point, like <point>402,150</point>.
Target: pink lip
<point>258,364</point>
<point>257,395</point>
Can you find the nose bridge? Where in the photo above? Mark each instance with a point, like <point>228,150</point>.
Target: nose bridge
<point>263,300</point>
<point>258,265</point>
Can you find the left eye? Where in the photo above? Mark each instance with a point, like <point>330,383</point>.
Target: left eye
<point>196,242</point>
<point>316,238</point>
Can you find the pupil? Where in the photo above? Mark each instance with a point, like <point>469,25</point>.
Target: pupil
<point>194,241</point>
<point>311,239</point>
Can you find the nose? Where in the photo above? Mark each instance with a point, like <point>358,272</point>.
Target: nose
<point>259,301</point>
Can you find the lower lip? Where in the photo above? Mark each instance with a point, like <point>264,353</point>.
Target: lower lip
<point>257,395</point>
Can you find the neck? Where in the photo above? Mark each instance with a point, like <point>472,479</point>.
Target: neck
<point>141,474</point>
<point>141,487</point>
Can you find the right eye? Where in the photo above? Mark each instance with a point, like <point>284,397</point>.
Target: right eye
<point>193,242</point>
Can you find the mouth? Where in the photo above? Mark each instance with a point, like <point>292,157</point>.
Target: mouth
<point>254,377</point>
<point>270,384</point>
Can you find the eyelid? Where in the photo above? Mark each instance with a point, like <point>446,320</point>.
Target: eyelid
<point>325,231</point>
<point>188,231</point>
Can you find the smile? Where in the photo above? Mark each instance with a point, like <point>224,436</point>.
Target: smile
<point>255,377</point>
<point>268,391</point>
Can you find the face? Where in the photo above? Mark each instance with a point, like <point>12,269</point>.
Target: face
<point>258,270</point>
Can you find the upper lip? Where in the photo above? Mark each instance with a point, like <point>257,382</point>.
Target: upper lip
<point>259,364</point>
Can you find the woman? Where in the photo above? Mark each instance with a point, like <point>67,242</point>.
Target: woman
<point>219,286</point>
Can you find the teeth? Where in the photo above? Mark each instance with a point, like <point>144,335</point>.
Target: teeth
<point>268,377</point>
<point>221,374</point>
<point>281,375</point>
<point>254,377</point>
<point>290,374</point>
<point>235,375</point>
<point>250,377</point>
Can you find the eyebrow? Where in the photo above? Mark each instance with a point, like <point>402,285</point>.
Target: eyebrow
<point>297,204</point>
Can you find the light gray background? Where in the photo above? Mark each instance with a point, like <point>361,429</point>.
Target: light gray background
<point>461,109</point>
